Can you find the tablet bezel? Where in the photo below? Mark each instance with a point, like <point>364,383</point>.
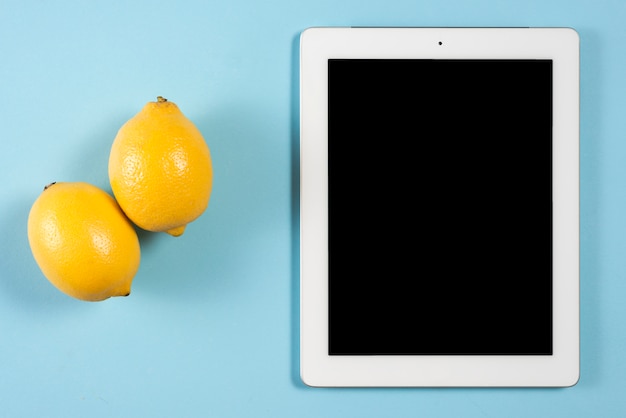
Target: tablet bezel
<point>317,368</point>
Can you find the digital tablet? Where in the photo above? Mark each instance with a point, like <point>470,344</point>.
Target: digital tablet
<point>439,207</point>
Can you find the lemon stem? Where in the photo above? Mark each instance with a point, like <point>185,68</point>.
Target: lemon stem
<point>48,185</point>
<point>161,99</point>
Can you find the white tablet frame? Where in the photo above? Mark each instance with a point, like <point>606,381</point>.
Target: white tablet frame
<point>317,368</point>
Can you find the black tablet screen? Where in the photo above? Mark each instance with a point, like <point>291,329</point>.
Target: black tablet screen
<point>440,207</point>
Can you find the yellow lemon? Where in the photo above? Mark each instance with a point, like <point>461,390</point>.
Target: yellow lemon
<point>83,242</point>
<point>160,169</point>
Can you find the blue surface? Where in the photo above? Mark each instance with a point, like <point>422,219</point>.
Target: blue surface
<point>211,327</point>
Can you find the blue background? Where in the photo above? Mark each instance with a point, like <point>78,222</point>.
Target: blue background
<point>211,327</point>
